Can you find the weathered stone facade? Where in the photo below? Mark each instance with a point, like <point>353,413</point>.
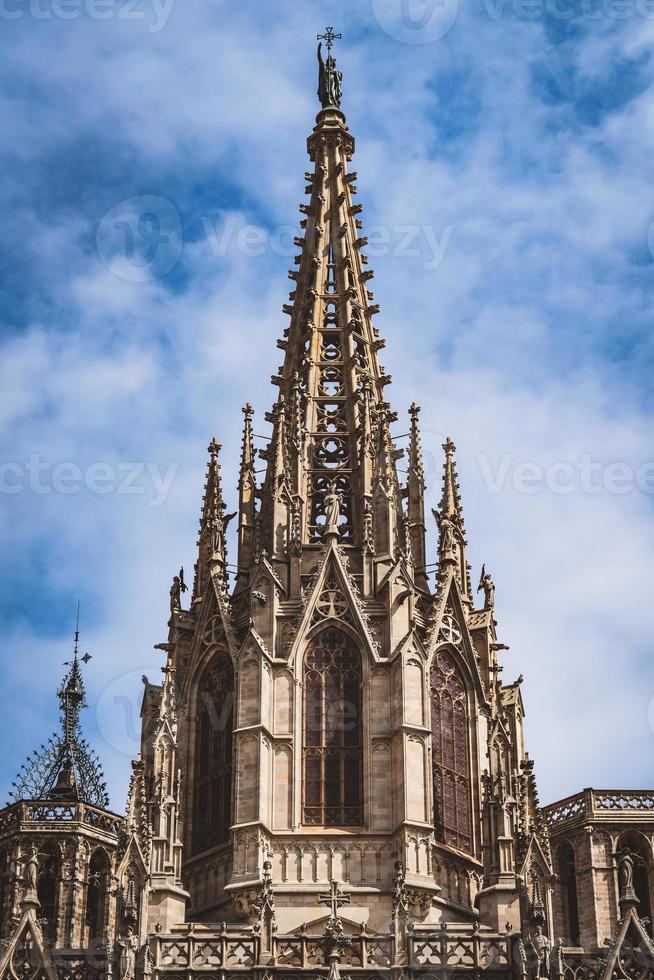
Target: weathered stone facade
<point>332,775</point>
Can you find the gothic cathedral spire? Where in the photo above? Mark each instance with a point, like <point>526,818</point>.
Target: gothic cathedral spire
<point>331,438</point>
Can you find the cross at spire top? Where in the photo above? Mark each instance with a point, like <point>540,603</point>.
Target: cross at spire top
<point>329,78</point>
<point>329,37</point>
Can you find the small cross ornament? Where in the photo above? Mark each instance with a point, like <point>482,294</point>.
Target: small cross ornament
<point>334,898</point>
<point>328,37</point>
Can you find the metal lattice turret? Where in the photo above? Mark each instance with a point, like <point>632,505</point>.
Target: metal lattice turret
<point>65,768</point>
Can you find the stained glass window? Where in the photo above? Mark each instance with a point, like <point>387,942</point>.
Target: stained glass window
<point>212,810</point>
<point>332,732</point>
<point>450,752</point>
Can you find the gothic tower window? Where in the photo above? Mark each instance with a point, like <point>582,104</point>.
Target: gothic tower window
<point>332,732</point>
<point>568,892</point>
<point>212,806</point>
<point>48,886</point>
<point>98,883</point>
<point>450,752</point>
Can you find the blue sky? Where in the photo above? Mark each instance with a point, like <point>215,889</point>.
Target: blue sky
<point>153,159</point>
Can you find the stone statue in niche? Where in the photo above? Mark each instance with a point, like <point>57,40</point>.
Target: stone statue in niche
<point>128,946</point>
<point>333,502</point>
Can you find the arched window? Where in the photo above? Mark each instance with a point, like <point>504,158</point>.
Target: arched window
<point>96,892</point>
<point>48,886</point>
<point>212,806</point>
<point>450,754</point>
<point>332,732</point>
<point>568,892</point>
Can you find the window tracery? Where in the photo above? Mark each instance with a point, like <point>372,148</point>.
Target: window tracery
<point>213,755</point>
<point>450,752</point>
<point>96,891</point>
<point>332,751</point>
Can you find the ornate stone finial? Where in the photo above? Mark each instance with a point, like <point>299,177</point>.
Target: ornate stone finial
<point>214,447</point>
<point>329,79</point>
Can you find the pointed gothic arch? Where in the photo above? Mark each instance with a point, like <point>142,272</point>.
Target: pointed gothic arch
<point>49,877</point>
<point>332,760</point>
<point>97,889</point>
<point>567,889</point>
<point>450,740</point>
<point>212,775</point>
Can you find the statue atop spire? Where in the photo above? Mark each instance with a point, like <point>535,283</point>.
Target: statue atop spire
<point>329,78</point>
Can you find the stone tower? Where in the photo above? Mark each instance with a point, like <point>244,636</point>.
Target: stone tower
<point>340,713</point>
<point>72,873</point>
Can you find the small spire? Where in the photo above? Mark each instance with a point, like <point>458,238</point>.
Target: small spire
<point>329,79</point>
<point>247,488</point>
<point>416,499</point>
<point>65,768</point>
<point>213,523</point>
<point>452,539</point>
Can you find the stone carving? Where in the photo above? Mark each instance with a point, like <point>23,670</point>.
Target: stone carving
<point>330,80</point>
<point>333,502</point>
<point>128,946</point>
<point>540,945</point>
<point>486,583</point>
<point>521,958</point>
<point>627,859</point>
<point>31,875</point>
<point>557,963</point>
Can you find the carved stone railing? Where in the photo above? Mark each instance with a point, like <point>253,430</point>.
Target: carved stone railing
<point>363,951</point>
<point>463,951</point>
<point>584,967</point>
<point>204,950</point>
<point>593,803</point>
<point>210,950</point>
<point>38,812</point>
